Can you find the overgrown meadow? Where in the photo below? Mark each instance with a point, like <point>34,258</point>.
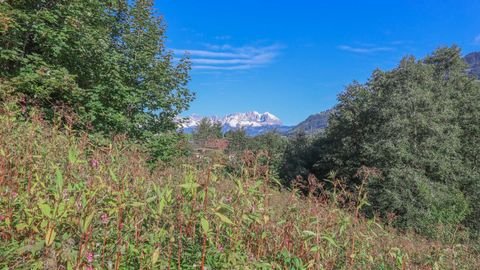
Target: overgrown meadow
<point>95,175</point>
<point>73,202</point>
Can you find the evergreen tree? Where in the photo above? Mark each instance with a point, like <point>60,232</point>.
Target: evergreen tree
<point>207,130</point>
<point>238,141</point>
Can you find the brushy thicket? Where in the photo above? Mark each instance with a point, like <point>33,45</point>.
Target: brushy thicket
<point>418,125</point>
<point>69,203</point>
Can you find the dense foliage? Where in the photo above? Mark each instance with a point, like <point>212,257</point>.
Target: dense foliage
<point>74,74</point>
<point>103,61</point>
<point>271,145</point>
<point>418,125</point>
<point>67,204</point>
<point>207,130</point>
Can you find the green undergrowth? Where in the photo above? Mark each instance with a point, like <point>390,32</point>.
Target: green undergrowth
<point>69,202</point>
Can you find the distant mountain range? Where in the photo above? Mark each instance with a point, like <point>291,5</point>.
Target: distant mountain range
<point>256,123</point>
<point>473,60</point>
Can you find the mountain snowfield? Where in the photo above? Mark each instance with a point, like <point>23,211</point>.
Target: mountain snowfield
<point>254,123</point>
<point>237,120</point>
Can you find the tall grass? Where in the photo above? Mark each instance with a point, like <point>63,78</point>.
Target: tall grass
<point>68,202</point>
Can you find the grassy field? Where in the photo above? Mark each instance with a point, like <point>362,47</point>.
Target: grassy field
<point>71,202</point>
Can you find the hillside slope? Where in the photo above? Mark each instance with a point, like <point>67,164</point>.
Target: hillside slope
<point>67,203</point>
<point>473,60</point>
<point>315,123</point>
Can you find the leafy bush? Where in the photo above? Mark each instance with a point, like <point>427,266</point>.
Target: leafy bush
<point>105,61</point>
<point>418,203</point>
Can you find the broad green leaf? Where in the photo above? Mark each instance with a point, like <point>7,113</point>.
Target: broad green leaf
<point>205,226</point>
<point>45,209</point>
<point>224,219</point>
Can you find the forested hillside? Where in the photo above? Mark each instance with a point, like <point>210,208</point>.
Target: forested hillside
<point>315,123</point>
<point>473,61</point>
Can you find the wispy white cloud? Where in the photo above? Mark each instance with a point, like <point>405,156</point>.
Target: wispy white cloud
<point>204,53</point>
<point>228,57</point>
<point>477,40</point>
<point>235,67</point>
<point>366,49</point>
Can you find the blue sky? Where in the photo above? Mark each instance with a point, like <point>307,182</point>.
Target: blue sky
<point>292,58</point>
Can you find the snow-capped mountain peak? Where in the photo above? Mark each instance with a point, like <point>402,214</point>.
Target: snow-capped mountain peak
<point>236,120</point>
<point>250,119</point>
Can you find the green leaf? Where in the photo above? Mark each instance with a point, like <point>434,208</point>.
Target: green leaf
<point>72,155</point>
<point>224,219</point>
<point>309,233</point>
<point>137,204</point>
<point>112,175</point>
<point>189,186</point>
<point>330,240</point>
<point>161,206</point>
<point>86,222</point>
<point>21,226</point>
<point>59,180</point>
<point>151,199</point>
<point>45,209</point>
<point>32,248</point>
<point>239,185</point>
<point>205,226</point>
